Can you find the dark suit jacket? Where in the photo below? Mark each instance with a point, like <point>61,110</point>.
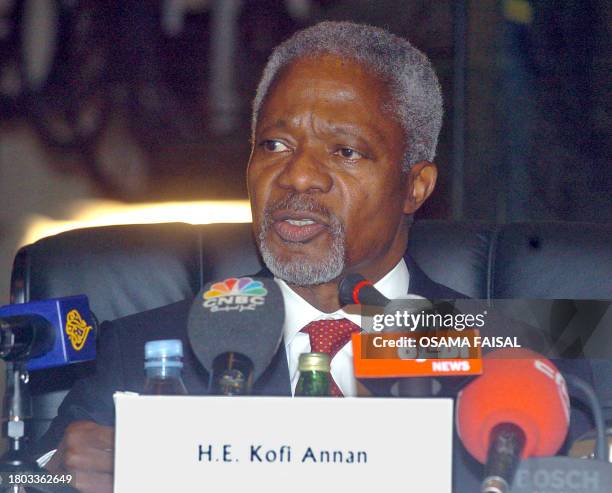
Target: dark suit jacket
<point>120,367</point>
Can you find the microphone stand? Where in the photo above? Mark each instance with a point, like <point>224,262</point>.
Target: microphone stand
<point>232,374</point>
<point>16,409</point>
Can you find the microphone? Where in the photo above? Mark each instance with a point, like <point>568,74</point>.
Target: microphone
<point>48,333</point>
<point>235,327</point>
<point>518,408</point>
<point>355,289</point>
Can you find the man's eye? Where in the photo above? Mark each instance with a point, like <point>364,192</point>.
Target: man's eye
<point>274,146</point>
<point>348,153</point>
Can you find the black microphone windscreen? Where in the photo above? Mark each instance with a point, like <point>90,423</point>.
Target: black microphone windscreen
<point>356,286</point>
<point>347,288</point>
<point>241,315</point>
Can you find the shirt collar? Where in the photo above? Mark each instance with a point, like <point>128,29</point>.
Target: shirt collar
<point>298,312</point>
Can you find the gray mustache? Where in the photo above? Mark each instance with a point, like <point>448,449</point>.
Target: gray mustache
<point>299,203</point>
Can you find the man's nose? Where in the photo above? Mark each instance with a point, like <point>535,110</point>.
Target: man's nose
<point>305,173</point>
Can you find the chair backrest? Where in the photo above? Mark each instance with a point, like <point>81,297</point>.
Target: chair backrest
<point>127,269</point>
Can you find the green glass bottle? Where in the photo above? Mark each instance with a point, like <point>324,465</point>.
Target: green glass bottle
<point>314,375</point>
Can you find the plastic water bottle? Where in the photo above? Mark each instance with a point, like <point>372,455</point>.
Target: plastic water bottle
<point>163,368</point>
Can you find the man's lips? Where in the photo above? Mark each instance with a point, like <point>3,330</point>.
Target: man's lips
<point>297,226</point>
<point>288,214</point>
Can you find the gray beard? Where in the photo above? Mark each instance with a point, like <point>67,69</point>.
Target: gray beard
<point>299,272</point>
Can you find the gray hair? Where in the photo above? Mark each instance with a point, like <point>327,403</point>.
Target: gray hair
<point>416,99</point>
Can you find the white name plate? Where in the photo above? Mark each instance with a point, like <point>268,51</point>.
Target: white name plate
<point>280,445</point>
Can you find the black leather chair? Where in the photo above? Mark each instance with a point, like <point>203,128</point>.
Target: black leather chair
<point>127,269</point>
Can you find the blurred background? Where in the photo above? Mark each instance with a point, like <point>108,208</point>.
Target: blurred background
<point>138,110</point>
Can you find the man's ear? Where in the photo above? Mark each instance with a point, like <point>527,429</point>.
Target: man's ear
<point>419,185</point>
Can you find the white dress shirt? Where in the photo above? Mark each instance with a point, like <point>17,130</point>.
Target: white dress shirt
<point>299,313</point>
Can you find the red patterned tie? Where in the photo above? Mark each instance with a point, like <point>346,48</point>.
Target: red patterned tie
<point>329,336</point>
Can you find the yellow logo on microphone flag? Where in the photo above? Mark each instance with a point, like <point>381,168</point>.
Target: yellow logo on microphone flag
<point>77,329</point>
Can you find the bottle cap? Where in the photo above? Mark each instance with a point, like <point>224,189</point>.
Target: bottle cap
<point>168,348</point>
<point>314,362</point>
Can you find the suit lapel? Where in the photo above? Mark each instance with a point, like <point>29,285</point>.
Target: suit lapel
<point>422,285</point>
<point>275,380</point>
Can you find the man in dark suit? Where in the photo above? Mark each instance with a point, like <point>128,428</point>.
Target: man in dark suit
<point>345,125</point>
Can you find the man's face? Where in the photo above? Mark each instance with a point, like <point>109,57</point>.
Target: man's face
<point>327,192</point>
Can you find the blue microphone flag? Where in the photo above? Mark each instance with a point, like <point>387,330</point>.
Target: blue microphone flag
<point>73,326</point>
